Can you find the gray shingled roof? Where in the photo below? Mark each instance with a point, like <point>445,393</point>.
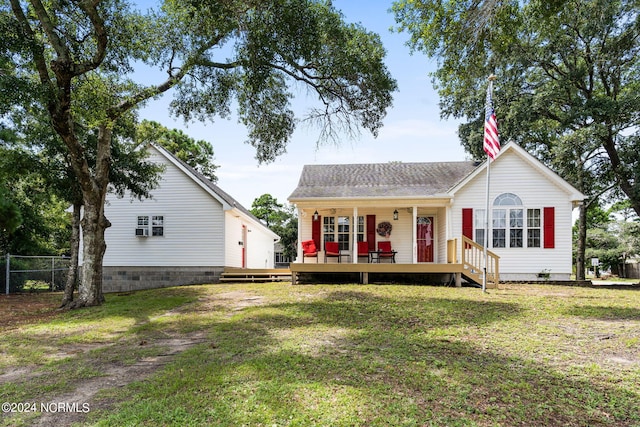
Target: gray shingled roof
<point>380,179</point>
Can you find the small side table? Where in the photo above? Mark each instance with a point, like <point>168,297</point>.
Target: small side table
<point>374,256</point>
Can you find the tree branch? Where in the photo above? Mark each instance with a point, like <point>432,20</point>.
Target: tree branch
<point>310,81</point>
<point>89,7</point>
<point>149,92</point>
<point>48,27</point>
<point>36,48</point>
<point>220,65</point>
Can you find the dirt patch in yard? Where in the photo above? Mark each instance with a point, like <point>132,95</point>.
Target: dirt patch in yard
<point>24,309</point>
<point>82,397</point>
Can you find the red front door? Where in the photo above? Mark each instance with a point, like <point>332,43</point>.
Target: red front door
<point>425,238</point>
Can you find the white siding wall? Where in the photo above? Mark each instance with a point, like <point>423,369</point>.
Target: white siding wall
<point>304,230</point>
<point>193,225</point>
<point>401,233</point>
<point>511,174</point>
<point>259,243</point>
<point>260,250</point>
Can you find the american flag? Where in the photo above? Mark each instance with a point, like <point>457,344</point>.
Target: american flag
<point>491,143</point>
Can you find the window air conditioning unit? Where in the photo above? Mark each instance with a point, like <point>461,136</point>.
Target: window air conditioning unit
<point>142,232</point>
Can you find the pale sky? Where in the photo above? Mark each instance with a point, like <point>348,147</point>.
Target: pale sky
<point>412,131</point>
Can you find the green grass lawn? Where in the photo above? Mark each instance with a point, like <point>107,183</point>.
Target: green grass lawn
<point>344,355</point>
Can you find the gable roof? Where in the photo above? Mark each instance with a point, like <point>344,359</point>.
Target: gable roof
<point>511,146</point>
<point>406,180</point>
<point>380,180</point>
<point>216,192</point>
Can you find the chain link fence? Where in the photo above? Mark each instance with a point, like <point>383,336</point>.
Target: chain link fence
<point>33,273</point>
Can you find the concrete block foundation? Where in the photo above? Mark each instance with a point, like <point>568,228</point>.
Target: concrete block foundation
<point>126,279</point>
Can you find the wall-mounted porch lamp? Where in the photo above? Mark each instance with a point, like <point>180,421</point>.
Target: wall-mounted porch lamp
<point>315,216</point>
<point>395,215</point>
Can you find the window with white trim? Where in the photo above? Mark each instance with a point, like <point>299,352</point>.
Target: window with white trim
<point>516,228</point>
<point>329,228</point>
<point>510,226</point>
<point>499,222</point>
<point>342,232</point>
<point>360,230</point>
<point>281,258</point>
<point>157,225</point>
<point>150,226</point>
<point>143,221</point>
<point>479,225</point>
<point>534,227</point>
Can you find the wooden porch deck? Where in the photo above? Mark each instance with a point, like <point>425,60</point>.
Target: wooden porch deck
<point>235,275</point>
<point>469,267</point>
<point>364,269</point>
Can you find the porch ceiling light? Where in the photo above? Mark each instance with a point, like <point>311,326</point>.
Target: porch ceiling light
<point>315,215</point>
<point>395,215</point>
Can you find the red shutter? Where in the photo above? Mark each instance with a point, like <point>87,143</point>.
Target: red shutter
<point>549,228</point>
<point>371,232</point>
<point>315,231</point>
<point>467,223</point>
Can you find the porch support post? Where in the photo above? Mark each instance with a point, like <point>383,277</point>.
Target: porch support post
<point>414,233</point>
<point>354,230</point>
<point>449,221</point>
<point>458,280</point>
<point>299,245</point>
<point>365,277</point>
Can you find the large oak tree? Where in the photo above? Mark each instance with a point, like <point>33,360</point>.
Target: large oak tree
<point>214,55</point>
<point>568,74</point>
<point>568,78</point>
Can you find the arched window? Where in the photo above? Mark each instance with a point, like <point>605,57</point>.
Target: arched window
<point>507,199</point>
<point>507,221</point>
<point>511,224</point>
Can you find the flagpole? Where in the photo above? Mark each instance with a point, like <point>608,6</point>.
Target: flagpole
<point>486,230</point>
<point>491,78</point>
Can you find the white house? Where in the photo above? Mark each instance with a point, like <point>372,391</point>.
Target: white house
<point>432,215</point>
<point>186,233</point>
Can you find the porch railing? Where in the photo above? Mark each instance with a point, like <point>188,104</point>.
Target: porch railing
<point>452,251</point>
<point>473,262</point>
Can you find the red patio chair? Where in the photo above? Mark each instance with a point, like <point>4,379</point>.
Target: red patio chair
<point>385,251</point>
<point>363,250</point>
<point>331,250</point>
<point>309,250</point>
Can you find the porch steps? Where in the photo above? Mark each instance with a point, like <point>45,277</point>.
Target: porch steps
<point>473,258</point>
<point>472,276</point>
<point>238,275</point>
<point>475,276</point>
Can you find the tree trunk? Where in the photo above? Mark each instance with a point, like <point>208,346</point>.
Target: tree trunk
<point>625,179</point>
<point>94,225</point>
<point>72,275</point>
<point>582,240</point>
<point>54,55</point>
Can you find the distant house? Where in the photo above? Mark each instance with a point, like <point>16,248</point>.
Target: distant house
<point>281,259</point>
<point>186,233</point>
<point>433,216</point>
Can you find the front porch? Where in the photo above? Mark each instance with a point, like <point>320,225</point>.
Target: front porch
<point>469,267</point>
<point>364,270</point>
<point>415,234</point>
